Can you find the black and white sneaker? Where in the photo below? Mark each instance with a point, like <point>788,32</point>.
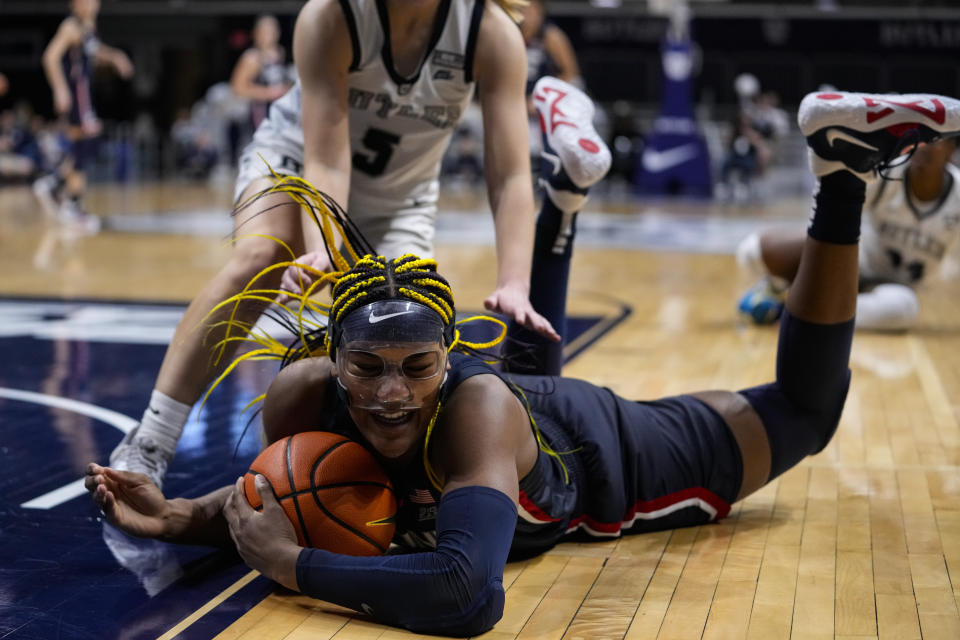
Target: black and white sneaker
<point>865,133</point>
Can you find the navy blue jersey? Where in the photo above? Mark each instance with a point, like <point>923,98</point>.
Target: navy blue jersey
<point>77,64</point>
<point>623,466</point>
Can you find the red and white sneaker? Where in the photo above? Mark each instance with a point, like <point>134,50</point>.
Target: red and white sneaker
<point>864,133</point>
<point>570,143</point>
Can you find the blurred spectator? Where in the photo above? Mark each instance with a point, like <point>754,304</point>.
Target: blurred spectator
<point>758,124</point>
<point>196,150</point>
<point>549,52</point>
<point>260,75</point>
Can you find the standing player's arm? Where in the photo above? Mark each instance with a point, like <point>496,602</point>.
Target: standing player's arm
<point>323,51</point>
<point>242,79</point>
<point>500,71</point>
<point>116,58</point>
<point>68,35</point>
<point>558,47</point>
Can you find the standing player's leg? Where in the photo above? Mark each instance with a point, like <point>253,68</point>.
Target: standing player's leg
<point>191,362</point>
<point>71,212</point>
<point>574,158</point>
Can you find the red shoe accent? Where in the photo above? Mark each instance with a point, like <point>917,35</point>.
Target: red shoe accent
<point>588,145</point>
<point>938,114</point>
<point>555,113</point>
<point>900,129</point>
<point>829,96</point>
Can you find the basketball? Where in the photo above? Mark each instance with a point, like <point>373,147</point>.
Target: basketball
<point>332,489</point>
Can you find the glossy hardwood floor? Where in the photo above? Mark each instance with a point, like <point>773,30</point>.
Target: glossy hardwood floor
<point>861,541</point>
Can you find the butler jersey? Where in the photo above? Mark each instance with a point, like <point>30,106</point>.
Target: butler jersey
<point>399,125</point>
<point>904,240</point>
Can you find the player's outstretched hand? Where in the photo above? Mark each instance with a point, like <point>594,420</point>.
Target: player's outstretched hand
<point>266,540</point>
<point>297,280</point>
<point>515,302</point>
<point>130,501</point>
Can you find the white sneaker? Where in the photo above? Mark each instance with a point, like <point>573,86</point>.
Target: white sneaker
<point>865,133</point>
<point>570,143</point>
<point>75,219</point>
<point>140,455</point>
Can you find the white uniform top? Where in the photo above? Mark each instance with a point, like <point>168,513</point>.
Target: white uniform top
<point>903,240</point>
<point>399,126</point>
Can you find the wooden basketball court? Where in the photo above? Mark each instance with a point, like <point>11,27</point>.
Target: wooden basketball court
<point>861,541</point>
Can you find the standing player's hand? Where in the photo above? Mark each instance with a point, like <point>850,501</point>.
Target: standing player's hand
<point>296,280</point>
<point>266,541</point>
<point>62,100</point>
<point>130,501</point>
<point>515,302</point>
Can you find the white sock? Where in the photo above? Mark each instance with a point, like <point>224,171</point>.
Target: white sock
<point>566,201</point>
<point>887,307</point>
<point>163,421</point>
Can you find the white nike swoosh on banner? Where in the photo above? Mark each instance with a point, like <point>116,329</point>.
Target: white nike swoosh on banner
<point>836,134</point>
<point>657,161</point>
<point>375,319</point>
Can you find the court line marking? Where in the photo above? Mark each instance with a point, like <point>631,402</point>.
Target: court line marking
<point>113,418</point>
<point>214,602</point>
<point>58,496</point>
<point>586,339</point>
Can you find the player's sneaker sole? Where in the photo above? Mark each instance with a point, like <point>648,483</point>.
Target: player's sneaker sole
<point>863,132</point>
<point>566,121</point>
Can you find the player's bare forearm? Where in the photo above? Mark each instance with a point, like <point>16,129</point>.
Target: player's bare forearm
<point>198,520</point>
<point>513,221</point>
<point>336,184</point>
<point>53,72</point>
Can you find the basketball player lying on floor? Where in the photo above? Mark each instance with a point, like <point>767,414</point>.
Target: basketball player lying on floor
<point>518,463</point>
<point>911,227</point>
<point>382,86</point>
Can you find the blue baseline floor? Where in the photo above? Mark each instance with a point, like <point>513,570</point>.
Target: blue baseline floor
<point>63,572</point>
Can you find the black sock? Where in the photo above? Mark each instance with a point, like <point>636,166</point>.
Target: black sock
<point>836,210</point>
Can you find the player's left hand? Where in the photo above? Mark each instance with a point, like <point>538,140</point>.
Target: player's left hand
<point>266,541</point>
<point>515,302</point>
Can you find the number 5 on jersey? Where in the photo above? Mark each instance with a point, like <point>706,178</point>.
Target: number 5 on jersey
<point>381,143</point>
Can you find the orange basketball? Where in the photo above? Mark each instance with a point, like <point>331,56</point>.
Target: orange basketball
<point>333,490</point>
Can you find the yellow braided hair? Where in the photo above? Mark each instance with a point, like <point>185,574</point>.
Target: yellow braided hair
<point>357,279</point>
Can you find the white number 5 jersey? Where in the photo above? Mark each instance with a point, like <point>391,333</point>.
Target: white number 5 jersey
<point>399,125</point>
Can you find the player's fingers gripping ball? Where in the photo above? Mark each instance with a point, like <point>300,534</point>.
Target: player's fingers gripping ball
<point>332,489</point>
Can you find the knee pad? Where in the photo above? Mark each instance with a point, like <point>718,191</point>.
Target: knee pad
<point>887,307</point>
<point>793,432</point>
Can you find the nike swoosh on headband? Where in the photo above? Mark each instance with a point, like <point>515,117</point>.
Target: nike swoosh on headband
<point>375,319</point>
<point>835,134</point>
